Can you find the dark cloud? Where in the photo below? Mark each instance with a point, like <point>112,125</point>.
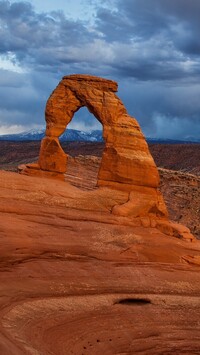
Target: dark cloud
<point>140,39</point>
<point>10,79</point>
<point>163,110</point>
<point>23,97</point>
<point>153,16</point>
<point>160,37</point>
<point>150,47</point>
<point>39,39</point>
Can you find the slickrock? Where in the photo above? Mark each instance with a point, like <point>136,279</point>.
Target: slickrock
<point>181,190</point>
<point>76,279</point>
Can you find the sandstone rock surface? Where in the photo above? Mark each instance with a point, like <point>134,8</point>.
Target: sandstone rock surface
<point>76,279</point>
<point>181,190</point>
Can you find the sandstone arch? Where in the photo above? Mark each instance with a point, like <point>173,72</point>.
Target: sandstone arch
<point>126,161</point>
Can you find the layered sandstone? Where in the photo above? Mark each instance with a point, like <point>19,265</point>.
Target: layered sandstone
<point>126,161</point>
<point>76,279</point>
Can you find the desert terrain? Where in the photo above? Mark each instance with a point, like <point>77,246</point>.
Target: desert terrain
<point>75,279</point>
<point>179,168</point>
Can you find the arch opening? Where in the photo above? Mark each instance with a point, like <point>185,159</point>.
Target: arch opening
<point>83,142</point>
<point>84,120</point>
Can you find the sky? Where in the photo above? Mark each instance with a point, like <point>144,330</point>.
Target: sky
<point>150,47</point>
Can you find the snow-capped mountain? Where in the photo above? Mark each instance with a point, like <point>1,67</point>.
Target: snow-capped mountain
<point>74,135</point>
<point>68,135</point>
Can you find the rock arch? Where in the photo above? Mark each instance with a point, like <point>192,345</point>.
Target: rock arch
<point>126,161</point>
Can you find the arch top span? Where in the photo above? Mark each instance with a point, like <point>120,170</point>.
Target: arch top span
<point>94,81</point>
<point>76,91</point>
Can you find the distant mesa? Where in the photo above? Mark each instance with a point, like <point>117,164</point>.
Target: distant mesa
<point>126,161</point>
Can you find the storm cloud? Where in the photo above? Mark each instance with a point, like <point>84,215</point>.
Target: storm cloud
<point>150,47</point>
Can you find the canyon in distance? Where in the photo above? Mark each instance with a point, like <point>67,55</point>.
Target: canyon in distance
<point>96,256</point>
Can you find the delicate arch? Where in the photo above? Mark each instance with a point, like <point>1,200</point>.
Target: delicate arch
<point>126,160</point>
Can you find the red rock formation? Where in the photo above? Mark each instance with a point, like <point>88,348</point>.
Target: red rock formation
<point>126,162</point>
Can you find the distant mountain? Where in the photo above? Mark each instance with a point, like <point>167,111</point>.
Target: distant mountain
<point>69,135</point>
<point>72,135</point>
<point>172,141</point>
<point>32,135</point>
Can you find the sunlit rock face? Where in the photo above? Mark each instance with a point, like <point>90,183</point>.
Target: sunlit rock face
<point>126,161</point>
